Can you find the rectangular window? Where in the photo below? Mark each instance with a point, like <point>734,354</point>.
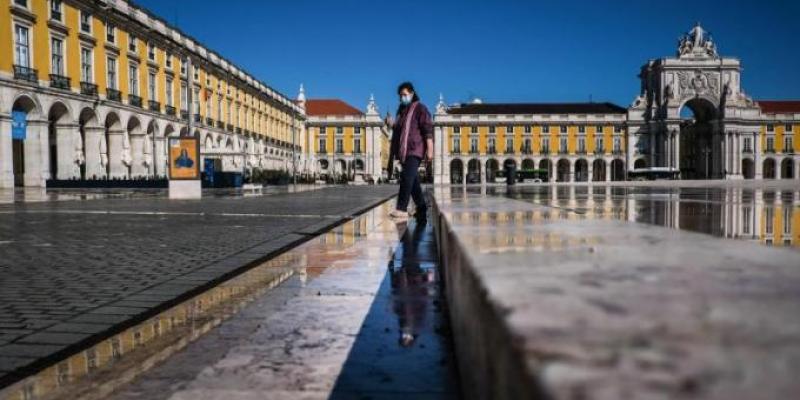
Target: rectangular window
<point>196,73</point>
<point>133,79</point>
<point>323,145</point>
<point>545,145</point>
<point>581,129</point>
<point>86,22</point>
<point>86,65</point>
<point>562,129</point>
<point>339,130</point>
<point>473,145</point>
<point>456,144</point>
<point>151,86</point>
<point>196,101</point>
<point>358,130</point>
<point>111,33</point>
<point>22,50</point>
<point>617,129</point>
<point>788,144</point>
<point>582,144</point>
<point>111,71</point>
<point>510,130</point>
<point>598,143</point>
<point>787,128</point>
<point>545,130</point>
<point>168,100</point>
<point>787,220</point>
<point>133,43</point>
<point>617,144</point>
<point>509,145</point>
<point>457,130</point>
<point>748,145</point>
<point>562,144</point>
<point>339,145</point>
<point>208,105</point>
<point>151,51</point>
<point>357,145</point>
<point>168,60</point>
<point>323,131</point>
<point>770,128</point>
<point>747,217</point>
<point>57,56</point>
<point>770,144</point>
<point>598,129</point>
<point>492,147</point>
<point>185,99</point>
<point>492,129</point>
<point>769,216</point>
<point>526,145</point>
<point>474,130</point>
<point>55,9</point>
<point>527,129</point>
<point>21,3</point>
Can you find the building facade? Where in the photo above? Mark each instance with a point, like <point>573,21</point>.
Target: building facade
<point>344,143</point>
<point>691,116</point>
<point>92,89</point>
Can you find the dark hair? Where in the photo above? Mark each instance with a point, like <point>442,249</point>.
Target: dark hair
<point>410,87</point>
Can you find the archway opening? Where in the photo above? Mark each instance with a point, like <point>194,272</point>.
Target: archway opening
<point>56,119</point>
<point>456,171</point>
<point>474,171</point>
<point>769,169</point>
<point>491,170</point>
<point>617,170</point>
<point>562,170</point>
<point>528,164</point>
<point>700,148</point>
<point>598,170</point>
<point>87,120</point>
<point>112,124</point>
<point>20,114</point>
<point>639,164</point>
<point>787,168</point>
<point>748,169</point>
<point>546,166</point>
<point>581,170</point>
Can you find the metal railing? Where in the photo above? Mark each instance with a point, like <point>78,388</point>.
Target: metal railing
<point>599,150</point>
<point>169,110</point>
<point>113,94</point>
<point>26,73</point>
<point>209,121</point>
<point>134,100</point>
<point>220,125</point>
<point>229,127</point>
<point>184,115</point>
<point>154,105</point>
<point>88,88</point>
<point>59,81</point>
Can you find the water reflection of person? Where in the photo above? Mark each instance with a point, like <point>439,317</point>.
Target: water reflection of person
<point>410,284</point>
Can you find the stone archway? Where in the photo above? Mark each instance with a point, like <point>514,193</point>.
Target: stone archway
<point>474,171</point>
<point>748,169</point>
<point>456,171</point>
<point>528,164</point>
<point>640,163</point>
<point>617,170</point>
<point>700,145</point>
<point>59,132</point>
<point>492,166</point>
<point>768,170</point>
<point>562,170</point>
<point>86,156</point>
<point>581,170</point>
<point>787,168</point>
<point>598,170</point>
<point>25,163</point>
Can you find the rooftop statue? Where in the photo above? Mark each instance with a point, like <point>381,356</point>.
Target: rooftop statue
<point>697,43</point>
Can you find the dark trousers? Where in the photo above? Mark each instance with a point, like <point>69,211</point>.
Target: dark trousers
<point>409,185</point>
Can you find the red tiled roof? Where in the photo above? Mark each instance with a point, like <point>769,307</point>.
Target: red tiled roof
<point>316,107</point>
<point>779,106</point>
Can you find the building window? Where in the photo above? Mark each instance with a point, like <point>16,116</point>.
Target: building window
<point>562,144</point>
<point>769,216</point>
<point>581,129</point>
<point>617,129</point>
<point>617,144</point>
<point>474,130</point>
<point>787,128</point>
<point>151,86</point>
<point>111,33</point>
<point>358,130</point>
<point>598,143</point>
<point>473,145</point>
<point>527,129</point>
<point>185,98</point>
<point>492,129</point>
<point>111,71</point>
<point>133,43</point>
<point>55,9</point>
<point>86,65</point>
<point>492,147</point>
<point>582,144</point>
<point>526,145</point>
<point>22,50</point>
<point>788,144</point>
<point>456,144</point>
<point>57,56</point>
<point>770,144</point>
<point>787,220</point>
<point>151,51</point>
<point>545,130</point>
<point>545,145</point>
<point>457,130</point>
<point>748,145</point>
<point>86,22</point>
<point>323,145</point>
<point>747,217</point>
<point>196,73</point>
<point>357,145</point>
<point>509,145</point>
<point>509,130</point>
<point>133,79</point>
<point>339,130</point>
<point>168,88</point>
<point>168,60</point>
<point>196,101</point>
<point>563,129</point>
<point>598,129</point>
<point>323,131</point>
<point>339,145</point>
<point>21,3</point>
<point>770,128</point>
<point>229,112</point>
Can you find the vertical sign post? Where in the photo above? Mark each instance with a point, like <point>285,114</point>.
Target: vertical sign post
<point>184,153</point>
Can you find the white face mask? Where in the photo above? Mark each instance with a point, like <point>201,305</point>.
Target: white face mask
<point>406,98</point>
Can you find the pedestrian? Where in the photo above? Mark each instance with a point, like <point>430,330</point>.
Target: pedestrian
<point>412,142</point>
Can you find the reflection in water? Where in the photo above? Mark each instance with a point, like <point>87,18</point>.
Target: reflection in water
<point>770,216</point>
<point>411,285</point>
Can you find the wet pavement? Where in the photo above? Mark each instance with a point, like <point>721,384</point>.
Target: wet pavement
<point>74,272</point>
<point>768,213</point>
<point>361,317</point>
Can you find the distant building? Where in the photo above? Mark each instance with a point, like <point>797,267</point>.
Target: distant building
<point>343,141</point>
<point>691,116</point>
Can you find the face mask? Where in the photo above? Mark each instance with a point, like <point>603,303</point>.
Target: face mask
<point>405,99</point>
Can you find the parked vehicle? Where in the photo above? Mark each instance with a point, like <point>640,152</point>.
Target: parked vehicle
<point>654,173</point>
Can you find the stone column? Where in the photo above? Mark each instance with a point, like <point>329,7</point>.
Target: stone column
<point>759,170</point>
<point>116,168</point>
<point>608,171</point>
<point>6,153</point>
<point>36,154</point>
<point>438,163</point>
<point>571,174</point>
<point>137,152</point>
<point>590,171</point>
<point>93,165</point>
<point>65,148</point>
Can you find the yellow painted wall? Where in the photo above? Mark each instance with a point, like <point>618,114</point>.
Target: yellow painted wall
<point>7,43</point>
<point>72,46</point>
<point>99,55</point>
<point>41,39</point>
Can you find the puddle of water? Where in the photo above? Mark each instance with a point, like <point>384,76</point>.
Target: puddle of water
<point>98,370</point>
<point>770,216</point>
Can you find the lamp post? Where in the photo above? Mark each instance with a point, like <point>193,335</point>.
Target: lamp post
<point>294,155</point>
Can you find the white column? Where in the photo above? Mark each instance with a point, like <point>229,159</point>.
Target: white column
<point>608,171</point>
<point>759,169</point>
<point>137,153</point>
<point>92,138</point>
<point>571,175</point>
<point>65,151</point>
<point>117,168</point>
<point>36,154</point>
<point>590,171</point>
<point>6,153</point>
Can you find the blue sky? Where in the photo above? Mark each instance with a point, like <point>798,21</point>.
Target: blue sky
<point>500,51</point>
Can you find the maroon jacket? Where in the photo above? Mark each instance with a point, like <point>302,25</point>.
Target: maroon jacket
<point>420,131</point>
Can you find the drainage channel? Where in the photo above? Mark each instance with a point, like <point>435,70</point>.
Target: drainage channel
<point>343,271</point>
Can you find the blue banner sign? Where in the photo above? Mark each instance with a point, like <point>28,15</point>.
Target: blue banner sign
<point>19,124</point>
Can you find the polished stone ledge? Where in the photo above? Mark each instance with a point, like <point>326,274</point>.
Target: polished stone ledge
<point>566,308</point>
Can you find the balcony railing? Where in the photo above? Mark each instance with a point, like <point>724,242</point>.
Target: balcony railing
<point>456,150</point>
<point>599,150</point>
<point>113,95</point>
<point>88,88</point>
<point>509,150</point>
<point>580,151</point>
<point>473,151</point>
<point>220,125</point>
<point>788,150</point>
<point>209,122</point>
<point>527,150</point>
<point>154,105</point>
<point>747,150</point>
<point>323,152</point>
<point>339,151</point>
<point>59,81</point>
<point>769,150</point>
<point>184,115</point>
<point>229,127</point>
<point>563,151</point>
<point>169,110</point>
<point>491,150</point>
<point>545,151</point>
<point>134,100</point>
<point>26,73</point>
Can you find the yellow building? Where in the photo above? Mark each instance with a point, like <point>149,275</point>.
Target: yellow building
<point>93,88</point>
<point>342,141</point>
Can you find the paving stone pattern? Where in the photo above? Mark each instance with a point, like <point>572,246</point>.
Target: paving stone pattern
<point>71,271</point>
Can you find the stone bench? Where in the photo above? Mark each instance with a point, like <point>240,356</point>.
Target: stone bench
<point>545,304</point>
